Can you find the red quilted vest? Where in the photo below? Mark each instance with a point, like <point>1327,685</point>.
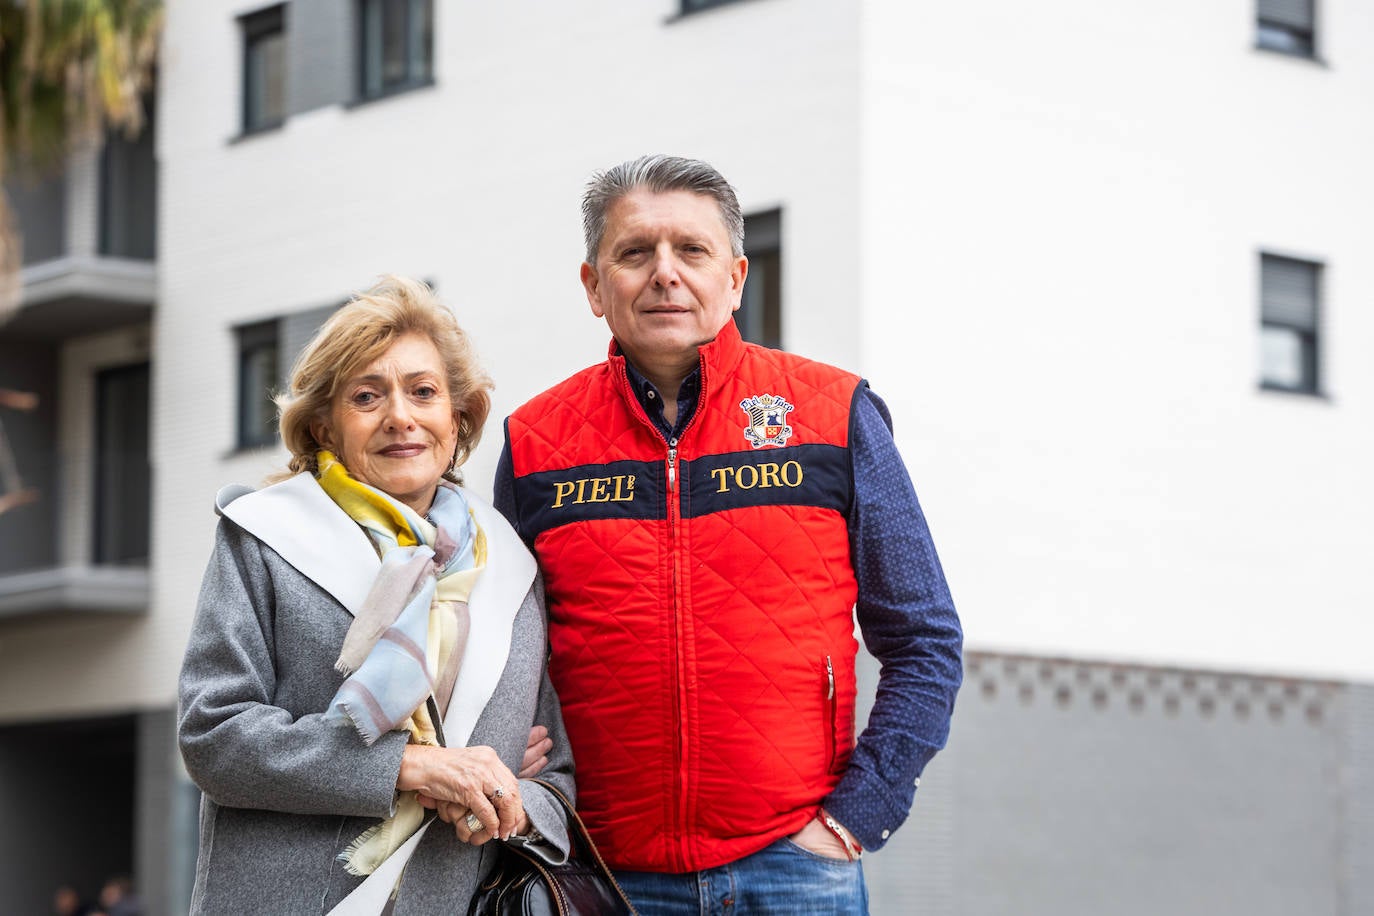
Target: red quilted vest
<point>700,599</point>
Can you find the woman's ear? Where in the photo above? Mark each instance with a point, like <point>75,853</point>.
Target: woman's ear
<point>320,433</point>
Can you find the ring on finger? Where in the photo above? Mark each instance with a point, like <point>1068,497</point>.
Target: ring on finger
<point>473,822</point>
<point>498,792</point>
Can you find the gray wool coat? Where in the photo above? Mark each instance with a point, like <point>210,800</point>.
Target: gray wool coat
<point>284,791</point>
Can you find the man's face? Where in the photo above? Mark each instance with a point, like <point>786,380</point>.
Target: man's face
<point>664,280</point>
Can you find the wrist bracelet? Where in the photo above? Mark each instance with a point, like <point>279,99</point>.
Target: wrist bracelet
<point>851,845</point>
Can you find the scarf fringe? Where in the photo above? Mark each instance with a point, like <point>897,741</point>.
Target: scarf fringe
<point>346,857</point>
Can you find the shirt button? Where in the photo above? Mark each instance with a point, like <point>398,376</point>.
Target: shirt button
<point>650,395</point>
<point>918,781</point>
<point>887,833</point>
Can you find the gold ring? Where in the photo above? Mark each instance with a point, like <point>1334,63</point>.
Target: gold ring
<point>474,823</point>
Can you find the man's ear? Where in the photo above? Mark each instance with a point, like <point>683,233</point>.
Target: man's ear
<point>738,272</point>
<point>591,282</point>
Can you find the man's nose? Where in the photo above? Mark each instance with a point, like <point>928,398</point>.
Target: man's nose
<point>665,267</point>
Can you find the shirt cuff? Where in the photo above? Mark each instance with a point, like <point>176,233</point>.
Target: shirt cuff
<point>863,803</point>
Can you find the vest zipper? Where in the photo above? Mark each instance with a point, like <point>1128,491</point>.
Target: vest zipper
<point>830,708</point>
<point>679,682</point>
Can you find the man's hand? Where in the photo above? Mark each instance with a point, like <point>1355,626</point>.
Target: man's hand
<point>816,837</point>
<point>537,753</point>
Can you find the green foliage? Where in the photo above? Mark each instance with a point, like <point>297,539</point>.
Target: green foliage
<point>68,68</point>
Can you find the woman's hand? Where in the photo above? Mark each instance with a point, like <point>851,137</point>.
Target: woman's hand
<point>458,781</point>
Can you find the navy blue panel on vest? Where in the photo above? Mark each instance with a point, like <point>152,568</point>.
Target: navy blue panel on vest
<point>617,490</point>
<point>800,475</point>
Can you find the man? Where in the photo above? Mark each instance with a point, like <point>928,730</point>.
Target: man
<point>709,515</point>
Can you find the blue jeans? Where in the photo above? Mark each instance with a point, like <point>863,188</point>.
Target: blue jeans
<point>781,879</point>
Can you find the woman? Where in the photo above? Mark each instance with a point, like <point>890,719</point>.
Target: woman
<point>369,644</point>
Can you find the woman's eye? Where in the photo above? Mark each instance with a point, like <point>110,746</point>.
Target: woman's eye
<point>426,391</point>
<point>364,398</point>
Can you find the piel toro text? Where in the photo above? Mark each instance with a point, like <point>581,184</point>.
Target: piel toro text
<point>617,489</point>
<point>749,476</point>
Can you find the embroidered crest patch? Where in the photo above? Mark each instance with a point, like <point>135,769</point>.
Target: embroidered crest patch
<point>767,420</point>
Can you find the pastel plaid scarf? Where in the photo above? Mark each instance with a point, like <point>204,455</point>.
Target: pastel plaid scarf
<point>406,641</point>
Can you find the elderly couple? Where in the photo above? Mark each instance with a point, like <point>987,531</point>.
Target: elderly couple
<point>666,591</point>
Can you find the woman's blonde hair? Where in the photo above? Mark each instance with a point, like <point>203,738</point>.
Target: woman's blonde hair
<point>359,333</point>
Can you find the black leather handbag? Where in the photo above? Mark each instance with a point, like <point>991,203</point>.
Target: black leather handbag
<point>522,884</point>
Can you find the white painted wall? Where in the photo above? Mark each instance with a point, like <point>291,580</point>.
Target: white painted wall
<point>1062,212</point>
<point>474,184</point>
<point>1036,233</point>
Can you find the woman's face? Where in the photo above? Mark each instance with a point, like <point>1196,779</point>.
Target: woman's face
<point>392,424</point>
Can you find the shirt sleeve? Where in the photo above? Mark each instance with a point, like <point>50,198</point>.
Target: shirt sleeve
<point>908,622</point>
<point>503,487</point>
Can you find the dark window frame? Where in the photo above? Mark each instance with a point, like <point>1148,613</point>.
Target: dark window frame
<point>369,51</point>
<point>255,27</point>
<point>760,315</point>
<point>251,340</point>
<point>1284,37</point>
<point>691,7</point>
<point>1308,333</point>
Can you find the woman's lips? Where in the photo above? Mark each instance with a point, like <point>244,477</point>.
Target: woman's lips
<point>403,450</point>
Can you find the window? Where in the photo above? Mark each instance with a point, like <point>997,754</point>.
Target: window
<point>1288,323</point>
<point>123,476</point>
<point>259,378</point>
<point>266,351</point>
<point>760,313</point>
<point>396,41</point>
<point>1287,26</point>
<point>264,68</point>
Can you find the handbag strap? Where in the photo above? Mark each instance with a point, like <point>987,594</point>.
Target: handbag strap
<point>577,833</point>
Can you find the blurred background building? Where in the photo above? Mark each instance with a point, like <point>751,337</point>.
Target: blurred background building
<point>1109,264</point>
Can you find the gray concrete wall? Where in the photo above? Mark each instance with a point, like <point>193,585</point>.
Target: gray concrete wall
<point>1072,787</point>
<point>166,804</point>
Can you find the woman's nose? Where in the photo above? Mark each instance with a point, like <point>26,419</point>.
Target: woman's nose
<point>398,415</point>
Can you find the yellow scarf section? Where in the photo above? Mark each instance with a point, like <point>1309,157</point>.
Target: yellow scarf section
<point>389,524</point>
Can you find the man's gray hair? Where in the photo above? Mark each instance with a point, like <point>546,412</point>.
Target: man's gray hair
<point>658,174</point>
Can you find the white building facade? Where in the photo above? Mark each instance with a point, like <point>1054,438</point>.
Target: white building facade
<point>1106,263</point>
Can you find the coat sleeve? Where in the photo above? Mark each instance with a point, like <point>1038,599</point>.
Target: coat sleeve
<point>545,813</point>
<point>240,747</point>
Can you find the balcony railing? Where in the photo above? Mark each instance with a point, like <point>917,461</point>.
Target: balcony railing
<point>89,238</point>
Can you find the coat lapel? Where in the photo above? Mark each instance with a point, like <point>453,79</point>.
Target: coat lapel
<point>300,522</point>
